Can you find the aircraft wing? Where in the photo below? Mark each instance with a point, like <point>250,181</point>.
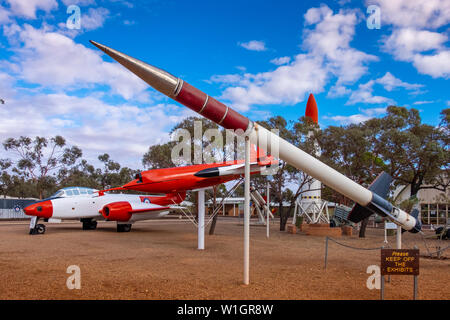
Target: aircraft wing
<point>234,169</point>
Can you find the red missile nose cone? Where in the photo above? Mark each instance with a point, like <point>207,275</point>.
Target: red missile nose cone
<point>311,109</point>
<point>42,209</point>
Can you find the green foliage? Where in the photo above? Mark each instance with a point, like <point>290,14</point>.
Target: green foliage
<point>298,221</point>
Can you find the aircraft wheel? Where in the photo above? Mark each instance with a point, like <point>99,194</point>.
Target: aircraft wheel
<point>439,231</point>
<point>123,227</point>
<point>332,224</point>
<point>40,229</point>
<point>89,224</point>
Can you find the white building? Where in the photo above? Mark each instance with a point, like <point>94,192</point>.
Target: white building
<point>434,204</point>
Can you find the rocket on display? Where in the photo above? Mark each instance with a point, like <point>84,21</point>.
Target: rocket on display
<point>228,118</point>
<point>312,190</point>
<point>172,180</point>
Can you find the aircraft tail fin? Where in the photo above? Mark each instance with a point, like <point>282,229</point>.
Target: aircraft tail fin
<point>260,156</point>
<point>380,186</point>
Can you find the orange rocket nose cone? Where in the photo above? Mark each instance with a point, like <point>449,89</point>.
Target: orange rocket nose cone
<point>311,109</point>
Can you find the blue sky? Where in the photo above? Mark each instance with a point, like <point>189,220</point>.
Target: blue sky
<point>261,57</point>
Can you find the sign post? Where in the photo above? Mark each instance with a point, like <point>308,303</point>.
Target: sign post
<point>401,262</point>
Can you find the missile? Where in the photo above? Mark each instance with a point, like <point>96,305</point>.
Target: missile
<point>210,108</point>
<point>311,109</point>
<point>312,190</point>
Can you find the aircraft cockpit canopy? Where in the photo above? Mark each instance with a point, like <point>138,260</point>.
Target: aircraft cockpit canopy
<point>73,191</point>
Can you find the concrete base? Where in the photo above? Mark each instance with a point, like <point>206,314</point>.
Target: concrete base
<point>347,230</point>
<point>291,229</point>
<point>322,229</point>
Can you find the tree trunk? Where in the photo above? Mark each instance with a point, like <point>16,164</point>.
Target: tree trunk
<point>362,230</point>
<point>213,222</point>
<point>283,217</point>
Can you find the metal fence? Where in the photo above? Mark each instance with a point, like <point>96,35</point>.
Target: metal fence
<point>13,208</point>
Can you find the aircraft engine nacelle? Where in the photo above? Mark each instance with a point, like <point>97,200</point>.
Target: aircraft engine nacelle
<point>117,211</point>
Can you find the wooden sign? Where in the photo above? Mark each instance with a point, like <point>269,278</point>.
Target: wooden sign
<point>399,262</point>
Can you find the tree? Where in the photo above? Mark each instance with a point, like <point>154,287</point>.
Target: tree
<point>414,153</point>
<point>113,175</point>
<point>40,158</point>
<point>5,177</point>
<point>158,156</point>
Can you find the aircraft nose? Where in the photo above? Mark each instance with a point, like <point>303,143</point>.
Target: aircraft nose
<point>30,210</point>
<point>42,209</point>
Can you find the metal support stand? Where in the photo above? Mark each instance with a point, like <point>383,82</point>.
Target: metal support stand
<point>268,211</point>
<point>399,237</point>
<point>247,213</point>
<point>201,220</point>
<point>382,288</point>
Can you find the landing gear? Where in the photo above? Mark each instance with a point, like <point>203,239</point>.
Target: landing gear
<point>36,228</point>
<point>89,224</point>
<point>123,227</point>
<point>442,233</point>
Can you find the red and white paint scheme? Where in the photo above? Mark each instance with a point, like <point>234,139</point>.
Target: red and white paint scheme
<point>198,101</point>
<point>182,179</point>
<point>89,206</point>
<point>312,190</point>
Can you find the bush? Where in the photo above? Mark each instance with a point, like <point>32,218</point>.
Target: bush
<point>298,221</point>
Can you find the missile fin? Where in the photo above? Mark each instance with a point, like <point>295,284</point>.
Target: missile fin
<point>380,186</point>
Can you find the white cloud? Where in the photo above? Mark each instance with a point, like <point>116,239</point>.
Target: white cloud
<point>364,92</point>
<point>78,2</point>
<point>254,45</point>
<point>389,82</point>
<point>406,42</point>
<point>280,61</point>
<point>426,50</point>
<point>365,115</point>
<point>28,8</point>
<point>328,54</point>
<point>437,65</point>
<point>414,13</point>
<point>52,59</point>
<point>125,131</point>
<point>423,102</point>
<point>364,95</point>
<point>94,18</point>
<point>338,91</point>
<point>415,38</point>
<point>287,84</point>
<point>4,15</point>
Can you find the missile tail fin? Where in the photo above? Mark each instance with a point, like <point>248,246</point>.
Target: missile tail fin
<point>380,186</point>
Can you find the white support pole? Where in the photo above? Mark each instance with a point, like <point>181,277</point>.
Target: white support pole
<point>201,220</point>
<point>399,237</point>
<point>385,233</point>
<point>247,213</point>
<point>268,210</point>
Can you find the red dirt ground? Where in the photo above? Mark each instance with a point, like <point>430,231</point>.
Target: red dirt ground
<point>159,260</point>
